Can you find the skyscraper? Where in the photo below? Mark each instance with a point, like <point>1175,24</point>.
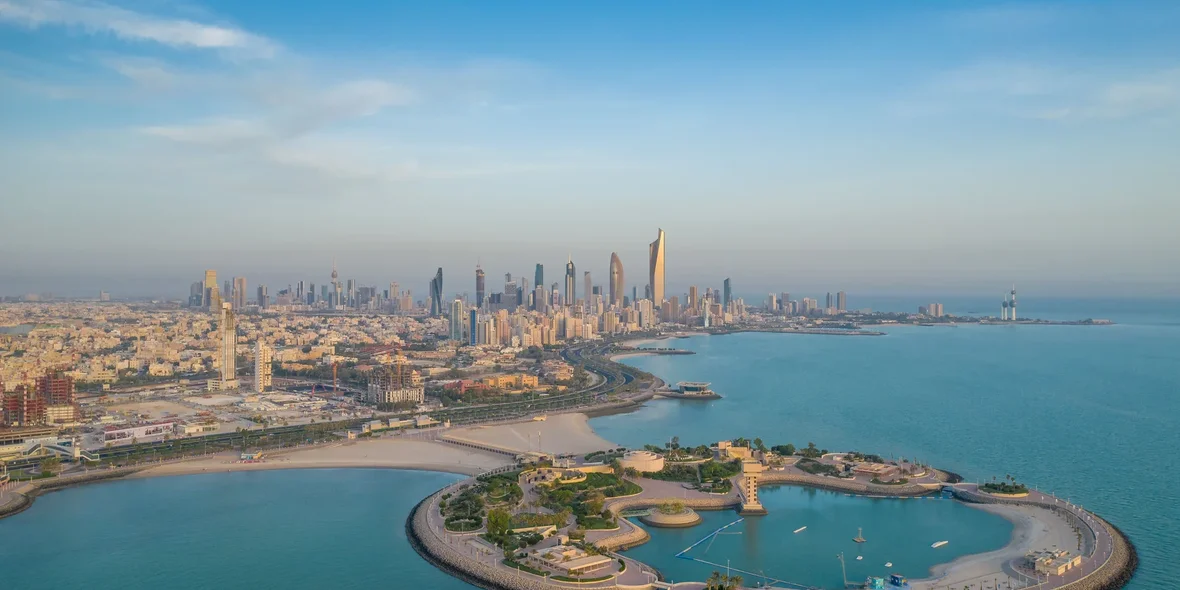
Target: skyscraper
<point>841,301</point>
<point>196,294</point>
<point>263,297</point>
<point>655,268</point>
<point>263,355</point>
<point>570,282</point>
<point>210,289</point>
<point>239,293</point>
<point>692,298</point>
<point>436,290</point>
<point>457,320</point>
<point>587,287</point>
<point>473,328</point>
<point>828,303</point>
<point>229,348</point>
<point>616,280</point>
<point>725,294</point>
<point>480,288</point>
<point>539,276</point>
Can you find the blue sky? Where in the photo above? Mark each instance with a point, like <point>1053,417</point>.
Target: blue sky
<point>874,147</point>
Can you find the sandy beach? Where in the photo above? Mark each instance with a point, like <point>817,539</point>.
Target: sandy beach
<point>1035,528</point>
<point>557,434</point>
<point>388,453</point>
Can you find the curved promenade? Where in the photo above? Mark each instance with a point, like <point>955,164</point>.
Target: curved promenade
<point>1109,559</point>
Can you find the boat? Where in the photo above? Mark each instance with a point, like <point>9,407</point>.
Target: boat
<point>800,529</point>
<point>888,564</point>
<point>859,557</point>
<point>540,418</point>
<point>938,544</point>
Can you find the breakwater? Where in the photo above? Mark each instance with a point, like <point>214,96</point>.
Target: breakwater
<point>1117,564</point>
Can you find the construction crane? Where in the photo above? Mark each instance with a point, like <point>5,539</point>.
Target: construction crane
<point>335,382</point>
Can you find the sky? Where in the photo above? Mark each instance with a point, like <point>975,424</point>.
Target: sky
<point>884,147</point>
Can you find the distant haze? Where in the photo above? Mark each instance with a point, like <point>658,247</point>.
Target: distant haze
<point>886,148</point>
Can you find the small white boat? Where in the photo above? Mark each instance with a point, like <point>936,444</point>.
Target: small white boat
<point>888,564</point>
<point>859,557</point>
<point>939,544</point>
<point>800,529</point>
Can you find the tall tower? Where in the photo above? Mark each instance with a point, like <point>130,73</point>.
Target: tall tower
<point>263,370</point>
<point>480,288</point>
<point>457,320</point>
<point>436,290</point>
<point>263,297</point>
<point>616,280</point>
<point>1004,308</point>
<point>726,293</point>
<point>655,268</point>
<point>229,348</point>
<point>587,287</point>
<point>210,291</point>
<point>539,276</point>
<point>571,287</point>
<point>239,293</point>
<point>1012,304</point>
<point>841,301</point>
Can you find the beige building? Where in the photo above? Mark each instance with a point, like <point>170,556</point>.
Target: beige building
<point>655,253</point>
<point>1053,563</point>
<point>751,470</point>
<point>263,366</point>
<point>571,561</point>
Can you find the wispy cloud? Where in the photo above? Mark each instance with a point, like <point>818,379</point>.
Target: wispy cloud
<point>1051,92</point>
<point>100,18</point>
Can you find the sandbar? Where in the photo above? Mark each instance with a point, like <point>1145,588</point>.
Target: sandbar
<point>557,434</point>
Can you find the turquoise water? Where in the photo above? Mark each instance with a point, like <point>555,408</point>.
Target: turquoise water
<point>1083,411</point>
<point>1092,413</point>
<point>329,528</point>
<point>898,531</point>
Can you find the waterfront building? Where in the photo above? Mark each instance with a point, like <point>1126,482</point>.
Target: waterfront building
<point>726,294</point>
<point>436,290</point>
<point>238,294</point>
<point>751,471</point>
<point>229,348</point>
<point>480,287</point>
<point>772,303</point>
<point>655,268</point>
<point>841,301</point>
<point>570,282</point>
<point>263,366</point>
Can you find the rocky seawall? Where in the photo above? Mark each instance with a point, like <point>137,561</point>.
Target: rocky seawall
<point>840,485</point>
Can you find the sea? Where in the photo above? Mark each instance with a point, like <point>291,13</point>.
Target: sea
<point>1090,413</point>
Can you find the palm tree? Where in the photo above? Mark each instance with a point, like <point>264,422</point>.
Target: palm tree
<point>734,583</point>
<point>714,581</point>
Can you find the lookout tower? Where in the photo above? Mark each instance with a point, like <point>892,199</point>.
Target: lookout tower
<point>751,470</point>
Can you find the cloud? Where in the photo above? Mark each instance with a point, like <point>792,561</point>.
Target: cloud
<point>99,18</point>
<point>1048,92</point>
<point>1010,17</point>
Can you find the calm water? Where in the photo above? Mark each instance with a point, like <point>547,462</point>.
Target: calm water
<point>265,529</point>
<point>1092,413</point>
<point>1084,411</point>
<point>898,531</point>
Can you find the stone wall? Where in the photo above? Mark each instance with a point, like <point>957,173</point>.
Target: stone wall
<point>841,485</point>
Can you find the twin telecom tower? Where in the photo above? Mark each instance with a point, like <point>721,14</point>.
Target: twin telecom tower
<point>1008,307</point>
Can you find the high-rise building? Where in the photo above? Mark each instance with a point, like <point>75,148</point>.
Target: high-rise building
<point>263,298</point>
<point>228,290</point>
<point>263,370</point>
<point>841,301</point>
<point>210,288</point>
<point>196,295</point>
<point>539,275</point>
<point>239,293</point>
<point>473,328</point>
<point>229,348</point>
<point>655,268</point>
<point>350,300</point>
<point>104,296</point>
<point>396,383</point>
<point>828,303</point>
<point>56,388</point>
<point>457,320</point>
<point>570,282</point>
<point>436,291</point>
<point>616,280</point>
<point>480,287</point>
<point>726,293</point>
<point>587,287</point>
<point>692,299</point>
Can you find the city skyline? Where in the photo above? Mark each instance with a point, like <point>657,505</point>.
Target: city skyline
<point>1008,142</point>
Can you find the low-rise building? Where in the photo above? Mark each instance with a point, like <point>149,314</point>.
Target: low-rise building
<point>1053,562</point>
<point>570,561</point>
